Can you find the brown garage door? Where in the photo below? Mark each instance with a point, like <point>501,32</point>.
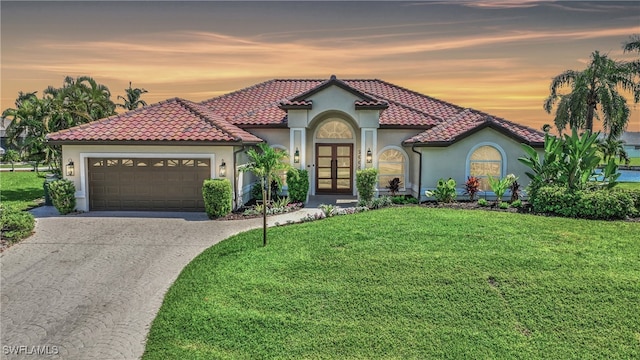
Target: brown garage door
<point>147,184</point>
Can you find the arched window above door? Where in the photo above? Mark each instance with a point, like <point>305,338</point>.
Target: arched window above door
<point>334,129</point>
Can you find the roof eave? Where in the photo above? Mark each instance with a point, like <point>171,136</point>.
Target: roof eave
<point>153,142</point>
<point>372,107</point>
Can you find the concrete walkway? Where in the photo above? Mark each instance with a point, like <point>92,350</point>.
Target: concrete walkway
<point>88,286</point>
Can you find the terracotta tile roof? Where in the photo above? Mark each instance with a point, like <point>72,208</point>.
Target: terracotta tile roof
<point>266,104</point>
<point>240,107</point>
<point>468,122</point>
<point>170,120</point>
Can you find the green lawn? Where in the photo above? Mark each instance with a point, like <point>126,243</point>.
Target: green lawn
<point>635,162</point>
<point>629,185</point>
<point>410,283</point>
<point>20,189</point>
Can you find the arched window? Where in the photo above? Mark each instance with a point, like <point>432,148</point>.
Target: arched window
<point>334,129</point>
<point>485,161</point>
<point>391,164</point>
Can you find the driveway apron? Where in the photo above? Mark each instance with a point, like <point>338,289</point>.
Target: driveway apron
<point>88,286</point>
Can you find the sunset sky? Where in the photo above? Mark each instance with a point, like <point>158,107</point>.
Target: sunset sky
<point>495,56</point>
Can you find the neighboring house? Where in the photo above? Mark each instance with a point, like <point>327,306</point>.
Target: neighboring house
<point>631,143</point>
<point>157,157</point>
<point>4,125</point>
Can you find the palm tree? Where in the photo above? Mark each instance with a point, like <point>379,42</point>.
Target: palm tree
<point>78,101</point>
<point>633,45</point>
<point>29,117</point>
<point>132,101</point>
<point>612,148</point>
<point>594,93</point>
<point>266,164</point>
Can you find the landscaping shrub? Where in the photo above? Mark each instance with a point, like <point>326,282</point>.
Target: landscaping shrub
<point>394,186</point>
<point>503,205</point>
<point>366,183</point>
<point>298,182</point>
<point>602,204</point>
<point>605,205</point>
<point>256,190</point>
<point>555,200</point>
<point>404,199</point>
<point>63,195</point>
<point>15,225</point>
<point>472,187</point>
<point>217,197</point>
<point>516,203</point>
<point>445,191</point>
<point>635,197</point>
<point>500,186</point>
<point>483,202</point>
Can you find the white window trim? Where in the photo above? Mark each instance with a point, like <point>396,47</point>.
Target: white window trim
<point>406,163</point>
<point>503,168</point>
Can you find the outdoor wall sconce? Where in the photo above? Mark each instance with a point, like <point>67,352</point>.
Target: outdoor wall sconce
<point>223,169</point>
<point>70,168</point>
<point>296,156</point>
<point>369,156</point>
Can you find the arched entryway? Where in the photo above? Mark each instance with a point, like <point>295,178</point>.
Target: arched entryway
<point>334,141</point>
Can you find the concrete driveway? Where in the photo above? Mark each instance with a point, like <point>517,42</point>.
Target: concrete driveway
<point>88,286</point>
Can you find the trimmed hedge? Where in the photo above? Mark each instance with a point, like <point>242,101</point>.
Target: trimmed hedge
<point>601,204</point>
<point>635,196</point>
<point>15,225</point>
<point>298,183</point>
<point>366,180</point>
<point>63,195</point>
<point>217,197</point>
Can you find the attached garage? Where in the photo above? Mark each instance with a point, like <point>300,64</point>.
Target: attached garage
<point>151,159</point>
<point>147,184</point>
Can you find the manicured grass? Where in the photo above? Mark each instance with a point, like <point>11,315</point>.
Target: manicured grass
<point>410,283</point>
<point>629,185</point>
<point>634,161</point>
<point>21,189</point>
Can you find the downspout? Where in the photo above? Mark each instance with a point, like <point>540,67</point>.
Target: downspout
<point>413,148</point>
<point>235,176</point>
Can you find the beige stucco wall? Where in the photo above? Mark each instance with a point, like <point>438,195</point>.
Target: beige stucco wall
<point>80,153</point>
<point>392,138</point>
<point>451,161</point>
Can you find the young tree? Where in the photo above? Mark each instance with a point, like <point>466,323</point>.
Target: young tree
<point>132,101</point>
<point>266,163</point>
<point>11,156</point>
<point>594,92</point>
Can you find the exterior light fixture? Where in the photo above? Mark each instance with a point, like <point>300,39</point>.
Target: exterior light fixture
<point>70,168</point>
<point>369,156</point>
<point>223,169</point>
<point>296,156</point>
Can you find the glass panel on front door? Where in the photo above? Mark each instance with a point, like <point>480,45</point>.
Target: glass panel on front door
<point>334,172</point>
